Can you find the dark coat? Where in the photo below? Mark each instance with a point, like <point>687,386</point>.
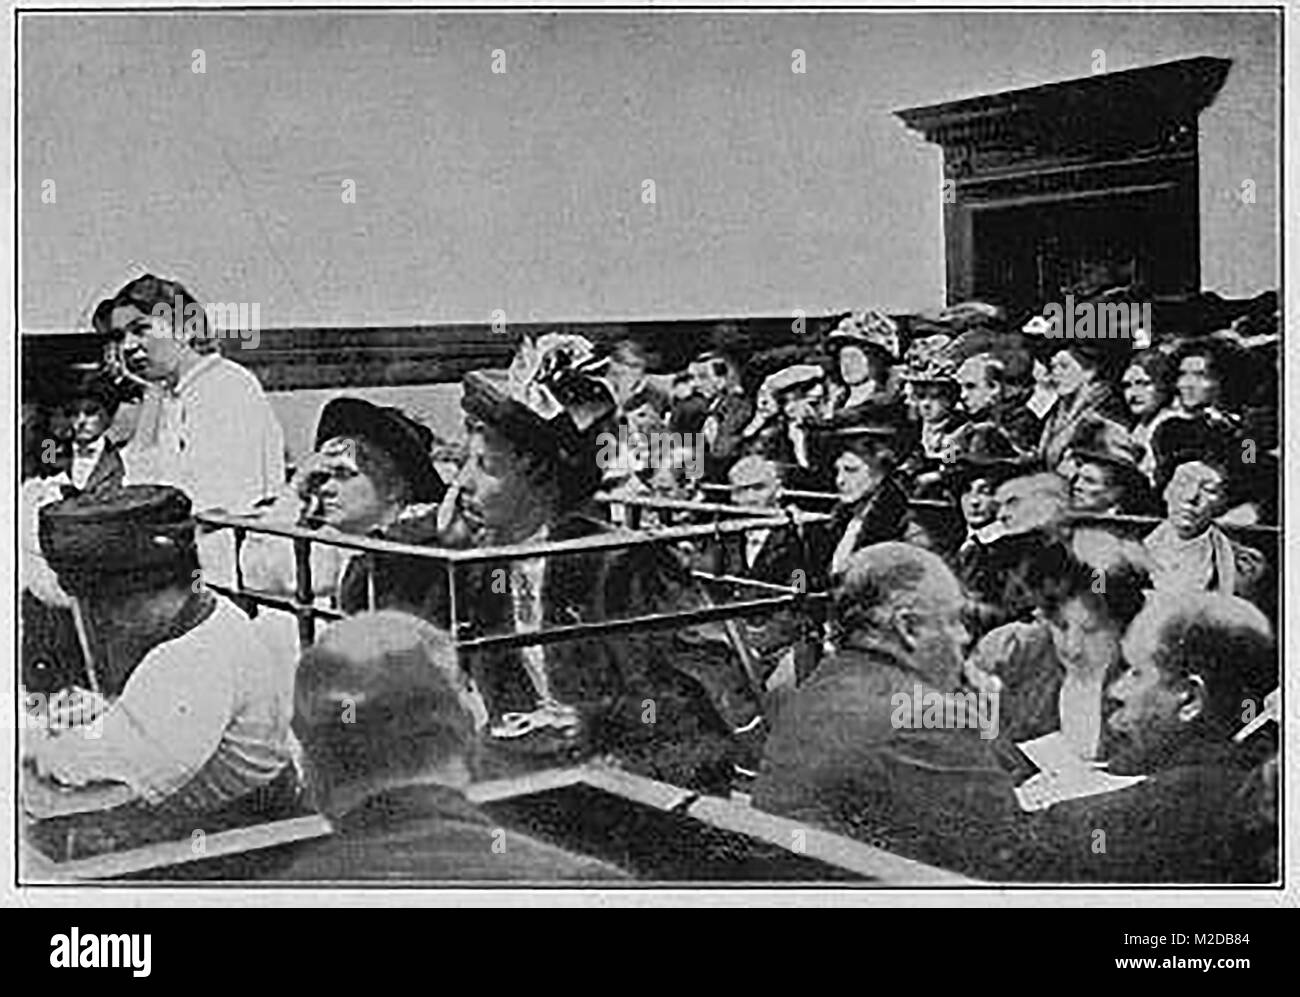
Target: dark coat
<point>1186,823</point>
<point>995,575</point>
<point>732,413</point>
<point>1022,427</point>
<point>108,472</point>
<point>51,653</point>
<point>786,558</point>
<point>836,760</point>
<point>430,833</point>
<point>884,513</point>
<point>1098,400</point>
<point>690,675</point>
<point>773,442</point>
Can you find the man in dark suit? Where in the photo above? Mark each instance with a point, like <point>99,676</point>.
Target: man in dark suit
<point>785,642</point>
<point>389,727</point>
<point>81,459</point>
<point>1198,663</point>
<point>846,752</point>
<point>84,401</point>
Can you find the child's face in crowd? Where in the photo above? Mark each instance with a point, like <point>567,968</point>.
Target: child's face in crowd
<point>979,504</point>
<point>1140,392</point>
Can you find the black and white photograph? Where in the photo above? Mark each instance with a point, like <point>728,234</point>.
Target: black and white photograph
<point>588,451</point>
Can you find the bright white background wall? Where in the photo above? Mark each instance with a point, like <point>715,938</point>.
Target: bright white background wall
<point>522,191</point>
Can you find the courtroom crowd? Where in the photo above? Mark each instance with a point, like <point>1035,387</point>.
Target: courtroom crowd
<point>1077,527</point>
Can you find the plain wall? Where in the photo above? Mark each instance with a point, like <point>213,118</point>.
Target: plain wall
<point>522,191</point>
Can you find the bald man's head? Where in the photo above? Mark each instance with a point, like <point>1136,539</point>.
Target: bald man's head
<point>907,595</point>
<point>1199,663</point>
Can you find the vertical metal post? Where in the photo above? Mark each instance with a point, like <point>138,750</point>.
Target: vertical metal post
<point>83,638</point>
<point>240,535</point>
<point>304,595</point>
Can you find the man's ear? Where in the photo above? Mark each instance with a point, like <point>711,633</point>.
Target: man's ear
<point>1194,699</point>
<point>904,622</point>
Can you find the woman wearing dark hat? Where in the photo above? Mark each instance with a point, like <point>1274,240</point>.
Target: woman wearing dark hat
<point>935,394</point>
<point>1103,470</point>
<point>371,469</point>
<point>1083,373</point>
<point>972,476</point>
<point>872,504</point>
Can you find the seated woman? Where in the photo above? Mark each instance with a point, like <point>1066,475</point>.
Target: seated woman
<point>872,504</point>
<point>1083,373</point>
<point>866,349</point>
<point>1146,384</point>
<point>935,393</point>
<point>371,469</point>
<point>1102,463</point>
<point>1051,672</point>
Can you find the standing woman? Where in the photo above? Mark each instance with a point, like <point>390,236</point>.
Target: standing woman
<point>206,426</point>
